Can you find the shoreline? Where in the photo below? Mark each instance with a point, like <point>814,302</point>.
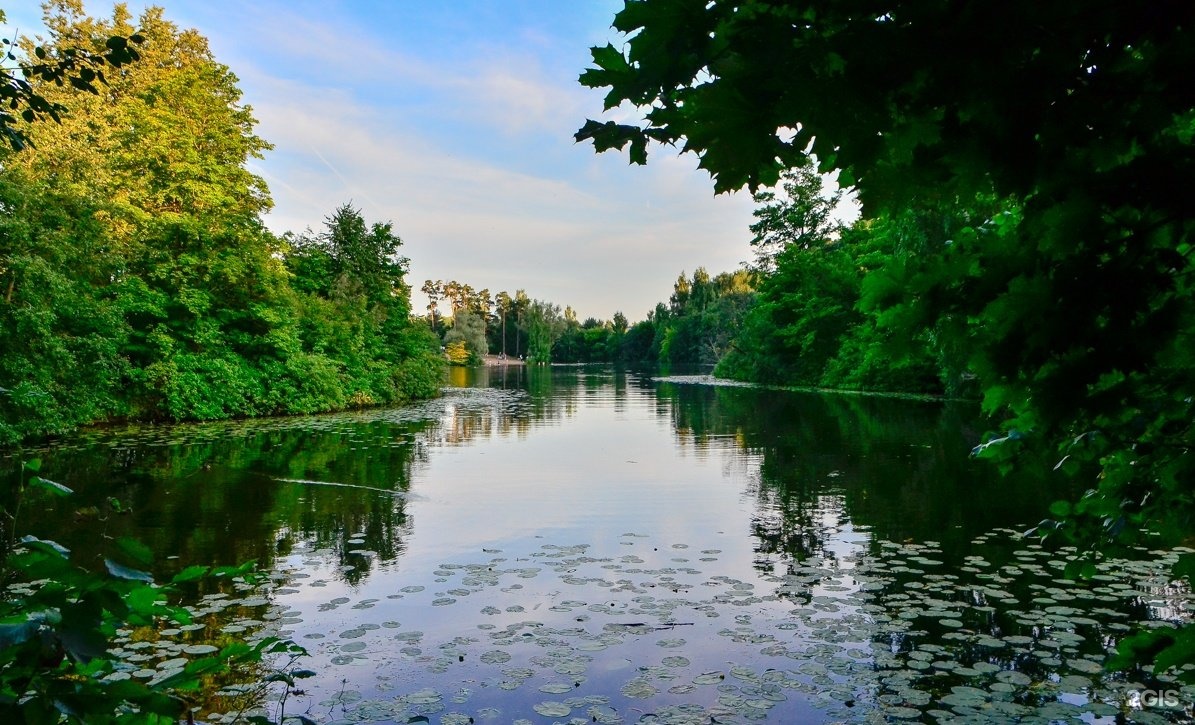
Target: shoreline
<point>491,361</point>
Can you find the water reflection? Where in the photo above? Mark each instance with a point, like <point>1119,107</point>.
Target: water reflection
<point>592,533</point>
<point>228,493</point>
<point>897,468</point>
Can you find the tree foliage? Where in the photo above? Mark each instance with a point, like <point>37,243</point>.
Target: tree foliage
<point>138,276</point>
<point>468,329</point>
<point>545,325</point>
<point>800,216</point>
<point>80,68</point>
<point>1066,279</point>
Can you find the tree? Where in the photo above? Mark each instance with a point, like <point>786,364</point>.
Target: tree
<point>503,305</point>
<point>801,216</point>
<point>544,326</point>
<point>468,328</point>
<point>481,304</point>
<point>81,68</point>
<point>169,132</point>
<point>637,343</point>
<point>135,268</point>
<point>141,200</point>
<point>681,289</point>
<point>620,323</point>
<point>366,255</point>
<point>434,292</point>
<point>521,304</point>
<point>1074,294</point>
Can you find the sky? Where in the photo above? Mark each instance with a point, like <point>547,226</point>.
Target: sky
<point>454,119</point>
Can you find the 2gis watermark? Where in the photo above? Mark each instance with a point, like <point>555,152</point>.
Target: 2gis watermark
<point>1160,699</point>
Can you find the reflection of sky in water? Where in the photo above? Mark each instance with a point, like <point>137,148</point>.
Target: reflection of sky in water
<point>600,474</point>
<point>641,548</point>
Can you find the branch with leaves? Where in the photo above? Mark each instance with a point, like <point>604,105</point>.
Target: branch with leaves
<point>82,69</point>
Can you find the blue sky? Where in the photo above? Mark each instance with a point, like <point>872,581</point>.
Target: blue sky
<point>454,120</point>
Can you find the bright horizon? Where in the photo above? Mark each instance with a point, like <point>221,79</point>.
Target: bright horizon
<point>454,121</point>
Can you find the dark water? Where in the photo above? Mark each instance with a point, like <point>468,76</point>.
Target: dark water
<point>589,545</point>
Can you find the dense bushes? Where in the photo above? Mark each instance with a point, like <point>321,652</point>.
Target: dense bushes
<point>196,341</point>
<point>138,281</point>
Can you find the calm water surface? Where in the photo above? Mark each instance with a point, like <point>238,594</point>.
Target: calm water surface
<point>588,545</point>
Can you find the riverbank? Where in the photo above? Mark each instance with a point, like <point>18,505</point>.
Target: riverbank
<point>497,360</point>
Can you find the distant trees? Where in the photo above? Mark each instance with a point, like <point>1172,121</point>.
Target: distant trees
<point>468,330</point>
<point>545,325</point>
<point>697,325</point>
<point>516,325</point>
<point>503,304</point>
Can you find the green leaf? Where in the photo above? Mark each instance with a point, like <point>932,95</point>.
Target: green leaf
<point>240,651</point>
<point>16,633</point>
<point>1180,652</point>
<point>121,571</point>
<point>609,58</point>
<point>179,615</point>
<point>179,682</point>
<point>134,551</point>
<point>638,152</point>
<point>1061,509</point>
<point>205,666</point>
<point>81,638</point>
<point>190,574</point>
<point>39,711</point>
<point>46,484</point>
<point>143,600</point>
<point>46,546</point>
<point>33,464</point>
<point>1140,647</point>
<point>1185,567</point>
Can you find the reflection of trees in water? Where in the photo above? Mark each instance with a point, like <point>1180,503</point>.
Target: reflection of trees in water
<point>212,493</point>
<point>203,495</point>
<point>512,400</point>
<point>233,491</point>
<point>901,467</point>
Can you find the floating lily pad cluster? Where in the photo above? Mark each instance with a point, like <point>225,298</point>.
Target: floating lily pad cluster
<point>246,614</point>
<point>887,633</point>
<point>1015,639</point>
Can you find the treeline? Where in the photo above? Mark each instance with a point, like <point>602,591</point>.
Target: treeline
<point>811,310</point>
<point>814,309</point>
<point>137,280</point>
<point>472,324</point>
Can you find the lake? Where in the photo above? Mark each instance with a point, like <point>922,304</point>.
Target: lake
<point>591,545</point>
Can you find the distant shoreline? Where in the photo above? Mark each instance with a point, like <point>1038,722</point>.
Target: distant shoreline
<point>495,361</point>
